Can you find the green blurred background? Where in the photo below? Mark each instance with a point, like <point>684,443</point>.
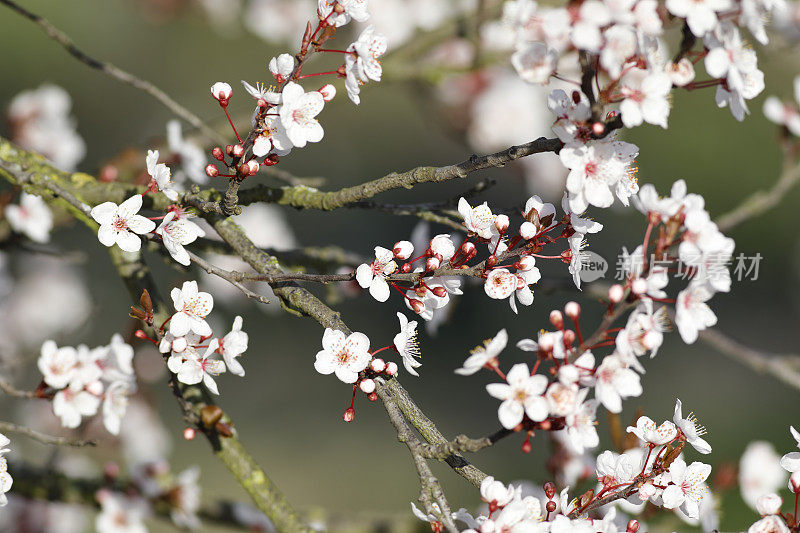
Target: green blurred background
<point>290,416</point>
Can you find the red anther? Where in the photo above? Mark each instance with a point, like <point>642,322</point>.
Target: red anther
<point>229,149</point>
<point>212,171</point>
<point>217,154</point>
<point>271,159</point>
<point>349,415</point>
<point>238,150</point>
<point>441,292</point>
<point>576,97</point>
<point>491,261</point>
<point>550,491</point>
<point>189,433</point>
<point>417,306</point>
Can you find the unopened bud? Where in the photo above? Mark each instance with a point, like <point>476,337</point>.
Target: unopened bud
<point>406,268</point>
<point>572,310</point>
<point>212,171</point>
<point>491,261</point>
<point>189,433</point>
<point>433,263</point>
<point>367,386</point>
<point>372,396</point>
<point>550,506</point>
<point>271,159</point>
<point>598,128</point>
<point>526,446</point>
<point>349,415</point>
<point>525,263</point>
<point>229,149</point>
<point>221,92</point>
<point>253,167</point>
<point>545,425</point>
<point>377,365</point>
<point>417,306</point>
<point>769,504</point>
<point>95,388</point>
<point>527,231</point>
<point>569,336</point>
<point>111,471</point>
<point>141,335</point>
<point>639,286</point>
<point>557,319</point>
<point>566,256</point>
<point>391,368</point>
<point>615,293</point>
<point>217,153</point>
<point>501,222</point>
<point>794,482</point>
<point>546,342</point>
<point>468,248</point>
<point>633,526</point>
<point>403,250</point>
<point>441,292</point>
<point>327,91</point>
<point>550,491</point>
<point>238,150</point>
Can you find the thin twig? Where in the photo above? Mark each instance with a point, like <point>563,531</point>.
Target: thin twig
<point>9,389</point>
<point>8,427</point>
<point>115,72</point>
<point>234,278</point>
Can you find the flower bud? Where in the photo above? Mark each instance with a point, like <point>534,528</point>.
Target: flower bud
<point>525,263</point>
<point>443,246</point>
<point>95,388</point>
<point>566,256</point>
<point>403,250</point>
<point>349,415</point>
<point>417,306</point>
<point>491,261</point>
<point>615,293</point>
<point>391,368</point>
<point>221,92</point>
<point>238,150</point>
<point>569,337</point>
<point>327,91</point>
<point>252,167</point>
<point>794,482</point>
<point>406,268</point>
<point>557,319</point>
<point>501,222</point>
<point>546,342</point>
<point>527,231</point>
<point>639,286</point>
<point>468,248</point>
<point>598,128</point>
<point>372,396</point>
<point>111,471</point>
<point>769,504</point>
<point>550,491</point>
<point>367,386</point>
<point>189,433</point>
<point>526,446</point>
<point>229,149</point>
<point>550,506</point>
<point>212,171</point>
<point>140,334</point>
<point>441,292</point>
<point>217,153</point>
<point>377,365</point>
<point>572,310</point>
<point>633,526</point>
<point>433,263</point>
<point>271,159</point>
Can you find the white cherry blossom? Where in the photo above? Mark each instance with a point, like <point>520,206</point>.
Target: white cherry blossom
<point>646,97</point>
<point>192,307</point>
<point>344,356</point>
<point>177,231</point>
<point>691,429</point>
<point>121,224</point>
<point>298,114</point>
<point>687,488</point>
<point>614,382</point>
<point>521,395</point>
<point>500,284</point>
<point>406,344</point>
<point>373,276</point>
<point>362,63</point>
<point>351,10</point>
<point>648,432</point>
<point>72,405</point>
<point>233,345</point>
<point>597,170</point>
<point>484,354</point>
<point>192,367</point>
<point>535,62</point>
<point>700,15</point>
<point>692,314</point>
<point>31,217</point>
<point>160,175</point>
<point>57,365</point>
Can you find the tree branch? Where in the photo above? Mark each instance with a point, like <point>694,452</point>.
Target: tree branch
<point>8,427</point>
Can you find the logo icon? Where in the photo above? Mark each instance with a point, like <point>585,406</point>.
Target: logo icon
<point>594,267</point>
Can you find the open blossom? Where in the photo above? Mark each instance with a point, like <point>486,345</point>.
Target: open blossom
<point>614,382</point>
<point>361,64</point>
<point>760,472</point>
<point>72,405</point>
<point>500,284</point>
<point>700,15</point>
<point>57,365</point>
<point>582,424</point>
<point>297,114</point>
<point>596,169</point>
<point>262,92</point>
<point>344,356</point>
<point>120,514</point>
<point>31,217</point>
<point>692,314</point>
<point>406,344</point>
<point>535,62</point>
<point>791,461</point>
<point>350,10</point>
<point>233,345</point>
<point>769,524</point>
<point>373,276</point>
<point>484,354</point>
<point>115,404</point>
<point>272,139</point>
<point>646,97</point>
<point>160,175</point>
<point>648,432</point>
<point>120,224</point>
<point>281,67</point>
<point>494,492</point>
<point>176,232</point>
<point>478,220</point>
<point>687,488</point>
<point>192,307</point>
<point>521,395</point>
<point>690,429</point>
<point>185,499</point>
<point>191,367</point>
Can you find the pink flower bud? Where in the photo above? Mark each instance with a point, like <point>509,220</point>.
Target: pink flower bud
<point>221,92</point>
<point>372,396</point>
<point>572,310</point>
<point>794,482</point>
<point>527,230</point>
<point>212,171</point>
<point>377,365</point>
<point>569,336</point>
<point>253,167</point>
<point>769,504</point>
<point>441,292</point>
<point>557,319</point>
<point>491,261</point>
<point>391,368</point>
<point>615,293</point>
<point>367,386</point>
<point>433,263</point>
<point>501,222</point>
<point>417,306</point>
<point>111,470</point>
<point>468,248</point>
<point>327,91</point>
<point>349,415</point>
<point>229,149</point>
<point>271,159</point>
<point>403,250</point>
<point>550,506</point>
<point>238,150</point>
<point>526,446</point>
<point>217,153</point>
<point>639,286</point>
<point>633,526</point>
<point>525,263</point>
<point>95,388</point>
<point>598,128</point>
<point>189,433</point>
<point>550,491</point>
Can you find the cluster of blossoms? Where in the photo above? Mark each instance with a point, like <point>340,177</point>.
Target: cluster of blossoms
<point>80,379</point>
<point>655,472</point>
<point>152,482</point>
<point>194,351</point>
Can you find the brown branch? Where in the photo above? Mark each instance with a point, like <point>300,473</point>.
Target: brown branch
<point>8,427</point>
<point>9,389</point>
<point>231,277</point>
<point>115,72</point>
